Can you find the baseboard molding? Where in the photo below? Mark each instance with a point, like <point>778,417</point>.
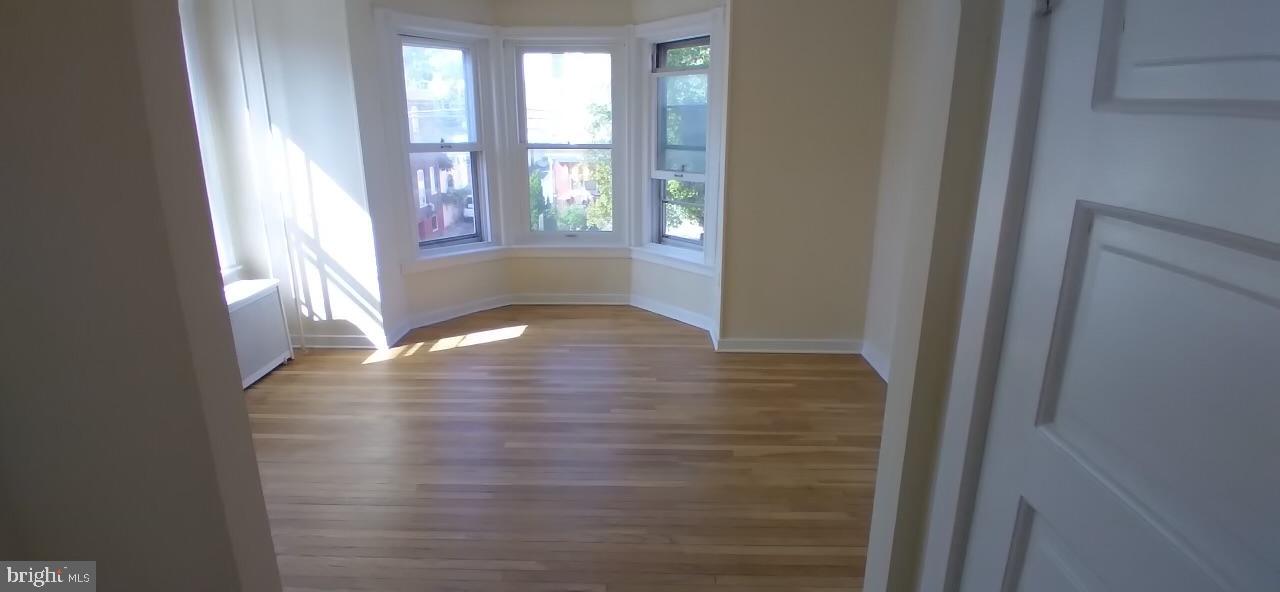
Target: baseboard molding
<point>332,341</point>
<point>453,312</point>
<point>789,346</point>
<point>445,314</point>
<point>672,312</point>
<point>877,359</point>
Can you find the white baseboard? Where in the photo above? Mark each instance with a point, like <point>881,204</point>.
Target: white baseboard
<point>453,312</point>
<point>445,314</point>
<point>332,341</point>
<point>789,346</point>
<point>672,312</point>
<point>877,359</point>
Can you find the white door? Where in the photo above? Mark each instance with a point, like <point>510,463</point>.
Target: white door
<point>1134,443</point>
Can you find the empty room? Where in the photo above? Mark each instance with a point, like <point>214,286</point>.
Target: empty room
<point>639,295</point>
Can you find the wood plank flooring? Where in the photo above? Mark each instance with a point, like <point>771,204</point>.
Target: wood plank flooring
<point>598,449</point>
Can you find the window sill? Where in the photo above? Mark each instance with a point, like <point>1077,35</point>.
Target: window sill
<point>440,258</point>
<point>687,260</point>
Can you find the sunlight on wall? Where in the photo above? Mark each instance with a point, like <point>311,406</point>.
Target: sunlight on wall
<point>331,245</point>
<point>447,343</point>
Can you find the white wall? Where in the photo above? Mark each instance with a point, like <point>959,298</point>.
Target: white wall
<point>939,97</point>
<point>320,176</point>
<point>123,434</point>
<point>213,45</point>
<point>887,251</point>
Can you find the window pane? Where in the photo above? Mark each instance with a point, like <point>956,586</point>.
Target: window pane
<point>682,209</point>
<point>571,190</point>
<point>435,83</point>
<point>690,53</point>
<point>444,194</point>
<point>567,98</point>
<point>681,221</point>
<point>682,102</point>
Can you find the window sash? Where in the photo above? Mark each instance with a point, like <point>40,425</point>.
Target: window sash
<point>524,147</point>
<point>469,71</point>
<point>659,176</point>
<point>522,105</point>
<point>660,215</point>
<point>662,49</point>
<point>477,200</point>
<point>474,146</point>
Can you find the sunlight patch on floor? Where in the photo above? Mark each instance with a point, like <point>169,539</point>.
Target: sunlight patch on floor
<point>447,343</point>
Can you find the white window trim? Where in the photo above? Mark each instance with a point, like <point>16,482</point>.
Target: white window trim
<point>480,42</point>
<point>215,189</point>
<point>516,40</point>
<point>706,259</point>
<point>506,215</point>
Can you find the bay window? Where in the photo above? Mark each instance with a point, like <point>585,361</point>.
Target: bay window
<point>522,137</point>
<point>445,154</point>
<point>566,138</point>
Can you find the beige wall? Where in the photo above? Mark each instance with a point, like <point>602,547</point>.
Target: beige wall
<point>807,86</point>
<point>123,434</point>
<point>552,12</point>
<point>684,290</point>
<point>644,11</point>
<point>940,97</point>
<point>432,292</point>
<point>561,13</point>
<point>569,276</point>
<point>472,11</point>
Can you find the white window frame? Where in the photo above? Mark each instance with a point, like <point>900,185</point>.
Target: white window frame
<point>477,43</point>
<point>518,41</point>
<point>657,174</point>
<point>648,245</point>
<point>194,50</point>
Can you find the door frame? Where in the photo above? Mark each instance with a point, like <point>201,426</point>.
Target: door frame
<point>1002,197</point>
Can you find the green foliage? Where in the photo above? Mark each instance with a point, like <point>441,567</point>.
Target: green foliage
<point>599,214</point>
<point>690,197</point>
<point>572,218</point>
<point>537,202</point>
<point>697,56</point>
<point>600,211</point>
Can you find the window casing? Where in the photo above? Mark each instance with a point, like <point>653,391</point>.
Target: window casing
<point>681,73</point>
<point>195,49</point>
<point>565,151</point>
<point>446,156</point>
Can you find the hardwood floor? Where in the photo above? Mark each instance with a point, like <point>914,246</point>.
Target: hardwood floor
<point>603,449</point>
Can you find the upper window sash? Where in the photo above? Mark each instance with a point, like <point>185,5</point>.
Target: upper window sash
<point>688,58</point>
<point>604,93</point>
<point>442,135</point>
<point>682,120</point>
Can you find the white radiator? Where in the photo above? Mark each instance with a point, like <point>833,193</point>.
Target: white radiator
<point>258,326</point>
